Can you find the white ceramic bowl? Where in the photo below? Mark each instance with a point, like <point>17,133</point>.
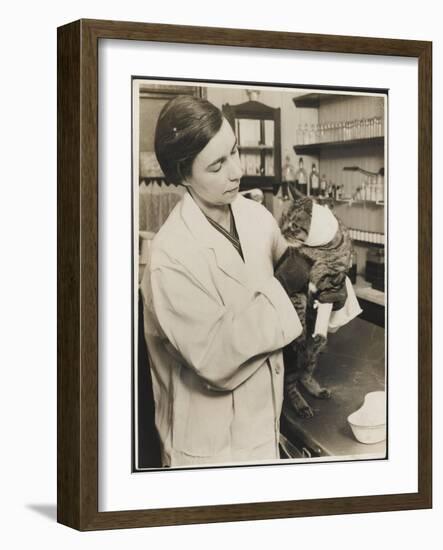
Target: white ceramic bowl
<point>368,423</point>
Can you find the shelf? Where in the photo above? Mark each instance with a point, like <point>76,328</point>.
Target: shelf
<point>368,243</point>
<point>359,202</point>
<point>349,201</point>
<point>310,148</point>
<point>255,148</point>
<point>364,290</point>
<point>266,183</point>
<point>147,180</point>
<point>312,100</point>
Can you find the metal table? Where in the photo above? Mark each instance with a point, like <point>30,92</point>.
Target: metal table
<point>352,366</point>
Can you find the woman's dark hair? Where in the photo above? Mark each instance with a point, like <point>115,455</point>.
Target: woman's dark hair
<point>185,126</point>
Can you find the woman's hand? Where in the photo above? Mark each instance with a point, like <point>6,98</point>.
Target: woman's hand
<point>335,294</point>
<point>292,271</point>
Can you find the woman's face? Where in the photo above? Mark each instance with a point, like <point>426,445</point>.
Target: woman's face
<point>216,170</point>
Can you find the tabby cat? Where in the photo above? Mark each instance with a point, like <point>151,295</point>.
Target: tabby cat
<point>330,262</point>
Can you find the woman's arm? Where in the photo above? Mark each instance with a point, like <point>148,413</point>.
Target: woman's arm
<point>279,244</point>
<point>223,345</point>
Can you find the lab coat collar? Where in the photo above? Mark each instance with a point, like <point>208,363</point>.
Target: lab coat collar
<point>227,258</point>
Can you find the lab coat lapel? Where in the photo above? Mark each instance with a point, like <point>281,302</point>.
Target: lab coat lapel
<point>245,229</point>
<point>227,258</point>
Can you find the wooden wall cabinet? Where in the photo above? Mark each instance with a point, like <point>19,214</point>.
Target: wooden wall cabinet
<point>258,131</point>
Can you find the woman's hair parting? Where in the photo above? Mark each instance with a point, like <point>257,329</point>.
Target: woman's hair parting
<point>185,126</point>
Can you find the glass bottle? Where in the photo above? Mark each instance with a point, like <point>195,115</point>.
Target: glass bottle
<point>335,135</point>
<point>327,187</point>
<point>314,182</point>
<point>358,128</point>
<point>288,178</point>
<point>380,192</point>
<point>367,127</point>
<point>351,129</point>
<point>321,132</point>
<point>299,135</point>
<point>314,134</point>
<point>306,134</point>
<point>339,192</point>
<point>352,273</point>
<point>328,133</point>
<point>301,178</point>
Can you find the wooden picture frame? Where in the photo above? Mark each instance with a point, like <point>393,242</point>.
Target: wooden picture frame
<point>77,429</point>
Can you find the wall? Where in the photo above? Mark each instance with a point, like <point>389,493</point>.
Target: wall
<point>28,277</point>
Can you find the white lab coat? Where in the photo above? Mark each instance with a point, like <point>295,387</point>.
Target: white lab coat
<point>214,328</point>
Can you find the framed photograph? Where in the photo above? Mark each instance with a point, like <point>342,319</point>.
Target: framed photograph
<point>244,275</point>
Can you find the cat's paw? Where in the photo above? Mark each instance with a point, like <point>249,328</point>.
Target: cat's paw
<point>318,342</point>
<point>299,404</point>
<point>305,412</point>
<point>314,388</point>
<point>324,394</point>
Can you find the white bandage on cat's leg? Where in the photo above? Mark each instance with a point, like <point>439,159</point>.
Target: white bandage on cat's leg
<point>350,310</point>
<point>323,314</point>
<point>322,322</point>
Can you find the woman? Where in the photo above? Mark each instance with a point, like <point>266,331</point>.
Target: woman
<point>216,318</point>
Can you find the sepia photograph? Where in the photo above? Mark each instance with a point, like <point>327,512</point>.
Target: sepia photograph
<point>244,252</point>
<point>260,261</point>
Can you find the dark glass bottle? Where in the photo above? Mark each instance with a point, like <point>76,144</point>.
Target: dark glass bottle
<point>323,186</point>
<point>302,178</point>
<point>288,178</point>
<point>352,273</point>
<point>314,182</point>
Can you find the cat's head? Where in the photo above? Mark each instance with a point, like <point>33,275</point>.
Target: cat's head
<point>296,220</point>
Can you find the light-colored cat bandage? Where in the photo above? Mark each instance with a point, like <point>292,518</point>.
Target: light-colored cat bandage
<point>348,312</point>
<point>324,226</point>
<point>322,320</point>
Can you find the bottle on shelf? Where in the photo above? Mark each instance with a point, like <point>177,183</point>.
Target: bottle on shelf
<point>339,192</point>
<point>301,178</point>
<point>351,129</point>
<point>380,191</point>
<point>288,178</point>
<point>323,186</point>
<point>306,134</point>
<point>367,189</point>
<point>352,273</point>
<point>314,181</point>
<point>312,134</point>
<point>300,136</point>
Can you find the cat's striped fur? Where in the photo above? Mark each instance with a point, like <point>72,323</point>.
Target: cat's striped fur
<point>330,265</point>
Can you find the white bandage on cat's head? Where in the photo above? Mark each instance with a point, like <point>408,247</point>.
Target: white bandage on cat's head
<point>324,226</point>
